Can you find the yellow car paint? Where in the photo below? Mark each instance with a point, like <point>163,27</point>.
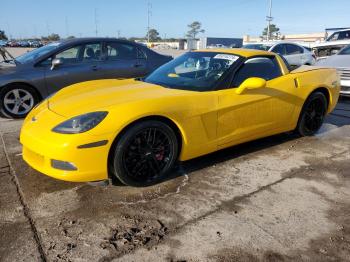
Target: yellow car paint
<point>206,121</point>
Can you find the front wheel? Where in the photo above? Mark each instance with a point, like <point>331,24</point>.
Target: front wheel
<point>145,153</point>
<point>16,101</point>
<point>312,115</point>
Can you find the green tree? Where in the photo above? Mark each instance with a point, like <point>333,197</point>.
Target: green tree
<point>3,35</point>
<point>52,37</point>
<point>153,35</point>
<point>274,32</point>
<point>194,29</point>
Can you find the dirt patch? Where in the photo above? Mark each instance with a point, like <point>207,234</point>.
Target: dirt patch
<point>131,234</point>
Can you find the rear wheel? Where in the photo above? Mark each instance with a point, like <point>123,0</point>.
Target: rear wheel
<point>312,114</point>
<point>145,153</point>
<point>17,100</point>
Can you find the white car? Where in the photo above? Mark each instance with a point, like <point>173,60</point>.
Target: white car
<point>332,44</point>
<point>296,55</point>
<point>340,61</point>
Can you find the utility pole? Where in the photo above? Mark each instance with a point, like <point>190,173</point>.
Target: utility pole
<point>35,31</point>
<point>96,21</point>
<point>118,33</point>
<point>67,28</point>
<point>149,14</point>
<point>269,18</point>
<point>48,27</point>
<point>9,30</point>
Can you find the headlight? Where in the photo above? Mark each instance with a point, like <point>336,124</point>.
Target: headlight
<point>80,124</point>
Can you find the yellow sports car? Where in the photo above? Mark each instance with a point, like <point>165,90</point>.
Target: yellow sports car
<point>135,130</point>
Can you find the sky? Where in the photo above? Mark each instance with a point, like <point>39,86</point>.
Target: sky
<point>219,18</point>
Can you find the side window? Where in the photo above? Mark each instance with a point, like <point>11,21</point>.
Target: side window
<point>141,54</point>
<point>263,67</point>
<point>294,50</point>
<point>69,56</point>
<point>344,35</point>
<point>92,52</point>
<point>334,37</point>
<point>116,51</point>
<point>279,49</point>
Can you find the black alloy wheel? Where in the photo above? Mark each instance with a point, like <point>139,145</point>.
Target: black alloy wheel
<point>145,153</point>
<point>312,115</point>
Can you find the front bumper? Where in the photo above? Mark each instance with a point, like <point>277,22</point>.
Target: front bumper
<point>41,146</point>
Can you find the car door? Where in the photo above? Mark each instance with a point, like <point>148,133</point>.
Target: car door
<point>79,63</point>
<point>123,60</point>
<point>257,112</point>
<point>294,55</point>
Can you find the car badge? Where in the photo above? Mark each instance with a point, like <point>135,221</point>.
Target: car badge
<point>34,119</point>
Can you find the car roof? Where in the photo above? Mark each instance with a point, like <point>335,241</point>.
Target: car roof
<point>342,30</point>
<point>238,51</point>
<point>89,39</point>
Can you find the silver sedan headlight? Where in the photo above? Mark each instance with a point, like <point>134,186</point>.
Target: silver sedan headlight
<point>80,124</point>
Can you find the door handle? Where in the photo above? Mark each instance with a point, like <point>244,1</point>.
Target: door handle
<point>94,68</point>
<point>137,65</point>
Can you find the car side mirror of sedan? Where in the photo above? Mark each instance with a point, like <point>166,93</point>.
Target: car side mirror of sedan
<point>56,63</point>
<point>251,83</point>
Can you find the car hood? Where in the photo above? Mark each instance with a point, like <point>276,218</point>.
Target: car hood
<point>97,95</point>
<point>335,61</point>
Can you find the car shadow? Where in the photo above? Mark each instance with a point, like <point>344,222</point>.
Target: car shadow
<point>223,155</point>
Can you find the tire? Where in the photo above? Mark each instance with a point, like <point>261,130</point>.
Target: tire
<point>17,100</point>
<point>144,154</point>
<point>312,115</point>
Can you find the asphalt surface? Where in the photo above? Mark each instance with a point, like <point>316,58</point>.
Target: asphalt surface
<point>281,198</point>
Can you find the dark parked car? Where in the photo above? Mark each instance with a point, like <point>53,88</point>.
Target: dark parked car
<point>43,71</point>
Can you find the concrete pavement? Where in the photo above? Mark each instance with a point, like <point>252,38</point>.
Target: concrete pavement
<point>281,198</point>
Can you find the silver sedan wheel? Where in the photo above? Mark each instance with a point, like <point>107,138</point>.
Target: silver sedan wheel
<point>18,101</point>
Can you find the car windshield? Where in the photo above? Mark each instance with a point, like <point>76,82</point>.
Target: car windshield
<point>32,55</point>
<point>345,51</point>
<point>194,71</point>
<point>257,46</point>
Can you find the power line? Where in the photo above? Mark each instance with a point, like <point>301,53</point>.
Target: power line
<point>67,27</point>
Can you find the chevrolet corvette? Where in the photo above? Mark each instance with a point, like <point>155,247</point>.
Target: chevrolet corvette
<point>135,130</point>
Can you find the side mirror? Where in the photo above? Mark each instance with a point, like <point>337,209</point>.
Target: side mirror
<point>251,83</point>
<point>56,63</point>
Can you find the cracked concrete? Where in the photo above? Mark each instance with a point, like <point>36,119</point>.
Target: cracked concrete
<point>281,198</point>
